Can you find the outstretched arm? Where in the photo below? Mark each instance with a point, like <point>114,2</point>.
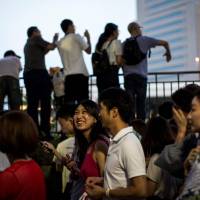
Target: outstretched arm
<point>165,44</point>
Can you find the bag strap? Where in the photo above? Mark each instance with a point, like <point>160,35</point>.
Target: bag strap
<point>107,45</point>
<point>135,38</point>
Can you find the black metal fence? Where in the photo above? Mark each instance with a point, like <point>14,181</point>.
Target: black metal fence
<point>160,87</point>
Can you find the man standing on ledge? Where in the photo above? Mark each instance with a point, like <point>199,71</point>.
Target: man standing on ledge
<point>135,76</point>
<point>10,66</point>
<point>70,48</point>
<point>37,80</point>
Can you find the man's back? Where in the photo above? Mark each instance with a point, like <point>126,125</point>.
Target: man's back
<point>70,49</point>
<point>145,43</point>
<point>10,66</point>
<point>34,50</point>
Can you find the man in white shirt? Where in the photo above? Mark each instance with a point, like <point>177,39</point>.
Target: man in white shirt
<point>10,66</point>
<point>125,171</point>
<point>71,48</point>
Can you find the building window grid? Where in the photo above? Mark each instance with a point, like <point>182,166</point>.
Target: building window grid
<point>166,25</point>
<point>165,34</point>
<point>164,17</point>
<point>160,6</point>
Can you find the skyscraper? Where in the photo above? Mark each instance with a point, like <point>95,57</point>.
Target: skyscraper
<point>176,21</point>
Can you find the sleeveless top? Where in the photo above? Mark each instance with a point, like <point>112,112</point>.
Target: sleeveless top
<point>89,167</point>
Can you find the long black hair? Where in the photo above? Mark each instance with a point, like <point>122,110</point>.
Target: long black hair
<point>158,134</point>
<point>108,31</point>
<point>96,132</point>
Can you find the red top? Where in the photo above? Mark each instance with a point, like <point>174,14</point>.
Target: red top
<point>23,180</point>
<point>89,167</point>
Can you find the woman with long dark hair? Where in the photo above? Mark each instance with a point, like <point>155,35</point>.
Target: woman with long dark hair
<point>91,145</point>
<point>158,135</point>
<point>108,41</point>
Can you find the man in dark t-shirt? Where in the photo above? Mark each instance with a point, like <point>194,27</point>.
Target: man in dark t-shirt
<point>37,80</point>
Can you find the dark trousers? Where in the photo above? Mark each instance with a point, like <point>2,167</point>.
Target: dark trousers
<point>76,88</point>
<point>38,90</point>
<point>9,86</point>
<point>136,85</point>
<point>108,78</point>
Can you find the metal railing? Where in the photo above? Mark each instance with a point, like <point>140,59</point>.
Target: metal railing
<point>160,86</point>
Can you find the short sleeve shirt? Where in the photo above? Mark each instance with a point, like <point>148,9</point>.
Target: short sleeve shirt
<point>71,48</point>
<point>65,147</point>
<point>114,49</point>
<point>10,66</point>
<point>125,159</point>
<point>34,51</point>
<point>145,43</point>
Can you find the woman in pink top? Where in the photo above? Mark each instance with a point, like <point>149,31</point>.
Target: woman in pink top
<point>91,145</point>
<point>23,180</point>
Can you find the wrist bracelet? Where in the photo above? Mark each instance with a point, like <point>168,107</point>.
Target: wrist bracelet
<point>108,192</point>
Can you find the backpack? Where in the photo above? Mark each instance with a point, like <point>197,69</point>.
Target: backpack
<point>100,61</point>
<point>132,53</point>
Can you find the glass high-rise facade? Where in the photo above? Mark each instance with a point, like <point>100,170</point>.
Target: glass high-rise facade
<point>178,22</point>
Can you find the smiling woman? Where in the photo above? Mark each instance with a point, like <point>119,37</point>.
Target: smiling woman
<point>90,14</point>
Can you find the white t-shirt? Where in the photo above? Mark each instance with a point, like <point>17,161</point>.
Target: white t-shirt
<point>70,48</point>
<point>154,173</point>
<point>114,49</point>
<point>10,66</point>
<point>65,147</point>
<point>125,160</point>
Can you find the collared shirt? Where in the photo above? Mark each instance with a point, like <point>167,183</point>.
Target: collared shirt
<point>125,159</point>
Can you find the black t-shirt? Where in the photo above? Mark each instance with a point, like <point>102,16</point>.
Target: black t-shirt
<point>34,51</point>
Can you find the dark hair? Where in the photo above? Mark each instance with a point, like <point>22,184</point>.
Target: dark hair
<point>65,24</point>
<point>108,31</point>
<point>158,134</point>
<point>193,88</point>
<point>31,30</point>
<point>183,98</point>
<point>119,98</point>
<point>197,95</point>
<point>165,109</point>
<point>65,111</point>
<point>11,53</point>
<point>19,134</point>
<point>139,125</point>
<point>97,129</point>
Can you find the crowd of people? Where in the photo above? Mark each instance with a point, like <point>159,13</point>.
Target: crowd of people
<point>109,149</point>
